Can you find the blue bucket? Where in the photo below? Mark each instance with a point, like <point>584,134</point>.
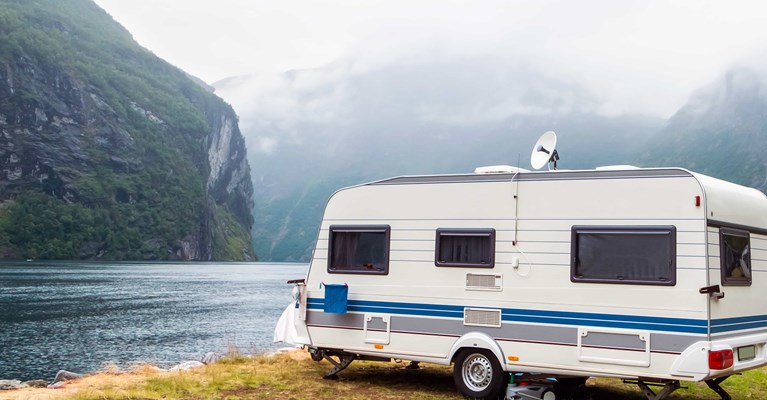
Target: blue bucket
<point>336,298</point>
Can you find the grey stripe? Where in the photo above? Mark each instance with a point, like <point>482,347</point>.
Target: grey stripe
<point>537,176</point>
<point>614,340</point>
<point>348,320</point>
<point>377,324</point>
<point>727,335</point>
<point>509,331</point>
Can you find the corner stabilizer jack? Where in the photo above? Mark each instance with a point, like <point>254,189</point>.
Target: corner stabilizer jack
<point>344,359</point>
<point>714,385</point>
<point>668,387</point>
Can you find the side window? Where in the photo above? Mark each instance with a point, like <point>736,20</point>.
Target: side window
<point>465,248</point>
<point>359,249</point>
<point>642,255</point>
<point>735,257</point>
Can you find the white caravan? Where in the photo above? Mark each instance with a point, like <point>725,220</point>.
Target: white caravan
<point>655,275</point>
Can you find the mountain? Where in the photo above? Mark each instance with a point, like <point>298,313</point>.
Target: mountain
<point>721,131</point>
<point>109,152</point>
<point>312,132</point>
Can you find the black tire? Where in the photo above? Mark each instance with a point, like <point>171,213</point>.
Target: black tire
<point>478,374</point>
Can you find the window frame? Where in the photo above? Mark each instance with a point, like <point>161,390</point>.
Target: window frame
<point>728,280</point>
<point>385,229</point>
<point>669,230</point>
<point>465,232</point>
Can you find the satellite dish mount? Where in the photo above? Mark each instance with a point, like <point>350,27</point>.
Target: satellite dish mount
<point>545,151</point>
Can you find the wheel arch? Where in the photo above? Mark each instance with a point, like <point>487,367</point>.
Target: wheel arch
<point>478,340</point>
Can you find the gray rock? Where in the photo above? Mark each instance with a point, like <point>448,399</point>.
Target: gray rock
<point>210,358</point>
<point>11,384</point>
<point>36,383</point>
<point>187,365</point>
<point>57,385</point>
<point>66,376</point>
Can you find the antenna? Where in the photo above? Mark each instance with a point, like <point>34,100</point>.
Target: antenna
<point>545,151</point>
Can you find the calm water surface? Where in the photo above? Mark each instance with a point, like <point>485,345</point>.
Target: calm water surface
<point>82,316</point>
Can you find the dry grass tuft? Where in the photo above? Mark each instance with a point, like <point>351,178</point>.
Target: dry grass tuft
<point>292,375</point>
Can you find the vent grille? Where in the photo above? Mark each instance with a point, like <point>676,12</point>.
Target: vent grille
<point>482,317</point>
<point>484,282</point>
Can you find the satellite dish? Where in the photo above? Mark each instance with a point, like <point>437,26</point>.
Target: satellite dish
<point>545,151</point>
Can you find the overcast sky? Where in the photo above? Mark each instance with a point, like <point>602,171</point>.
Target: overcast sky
<point>645,56</point>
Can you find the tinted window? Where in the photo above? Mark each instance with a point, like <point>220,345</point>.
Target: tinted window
<point>735,256</point>
<point>465,248</point>
<point>631,254</point>
<point>359,249</point>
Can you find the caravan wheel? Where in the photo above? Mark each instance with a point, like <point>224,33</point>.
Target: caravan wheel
<point>478,374</point>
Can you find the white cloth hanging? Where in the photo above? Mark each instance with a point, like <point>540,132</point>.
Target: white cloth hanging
<point>285,331</point>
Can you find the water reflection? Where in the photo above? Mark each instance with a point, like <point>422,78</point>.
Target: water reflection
<point>79,316</point>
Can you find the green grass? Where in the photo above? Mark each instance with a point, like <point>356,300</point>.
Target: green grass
<point>295,376</point>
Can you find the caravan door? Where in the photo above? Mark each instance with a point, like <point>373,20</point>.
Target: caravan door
<point>738,311</point>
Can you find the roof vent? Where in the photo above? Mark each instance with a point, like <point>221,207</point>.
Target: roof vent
<point>499,169</point>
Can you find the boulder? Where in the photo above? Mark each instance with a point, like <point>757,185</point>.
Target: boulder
<point>63,375</point>
<point>36,383</point>
<point>210,358</point>
<point>187,365</point>
<point>11,384</point>
<point>57,385</point>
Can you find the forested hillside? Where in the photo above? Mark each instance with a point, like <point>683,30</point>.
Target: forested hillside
<point>109,152</point>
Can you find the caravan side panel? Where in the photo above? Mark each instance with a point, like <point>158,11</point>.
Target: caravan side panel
<point>527,301</point>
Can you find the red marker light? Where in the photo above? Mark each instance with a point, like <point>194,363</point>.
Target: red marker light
<point>697,201</point>
<point>720,359</point>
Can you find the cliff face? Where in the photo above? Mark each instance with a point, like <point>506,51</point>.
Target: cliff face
<point>106,151</point>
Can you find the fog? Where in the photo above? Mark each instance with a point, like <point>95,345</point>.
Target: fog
<point>636,56</point>
<point>334,93</point>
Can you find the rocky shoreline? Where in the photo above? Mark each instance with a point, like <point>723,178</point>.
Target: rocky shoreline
<point>64,376</point>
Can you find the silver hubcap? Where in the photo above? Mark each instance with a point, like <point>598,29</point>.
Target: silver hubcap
<point>477,372</point>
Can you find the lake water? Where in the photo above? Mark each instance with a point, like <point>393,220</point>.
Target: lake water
<point>83,316</point>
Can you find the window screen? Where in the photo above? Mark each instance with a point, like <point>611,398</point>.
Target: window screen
<point>465,248</point>
<point>359,249</point>
<point>644,255</point>
<point>735,257</point>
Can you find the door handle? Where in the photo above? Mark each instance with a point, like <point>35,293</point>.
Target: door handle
<point>713,291</point>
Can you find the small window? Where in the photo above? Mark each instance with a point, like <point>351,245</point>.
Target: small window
<point>735,256</point>
<point>643,255</point>
<point>465,248</point>
<point>359,249</point>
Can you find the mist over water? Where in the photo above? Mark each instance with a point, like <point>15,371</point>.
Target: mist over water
<point>82,316</point>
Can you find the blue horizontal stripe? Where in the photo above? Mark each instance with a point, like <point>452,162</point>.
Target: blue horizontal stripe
<point>608,317</point>
<point>609,324</point>
<point>388,304</point>
<point>739,320</point>
<point>739,327</point>
<point>404,311</point>
<point>738,323</point>
<point>682,325</point>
